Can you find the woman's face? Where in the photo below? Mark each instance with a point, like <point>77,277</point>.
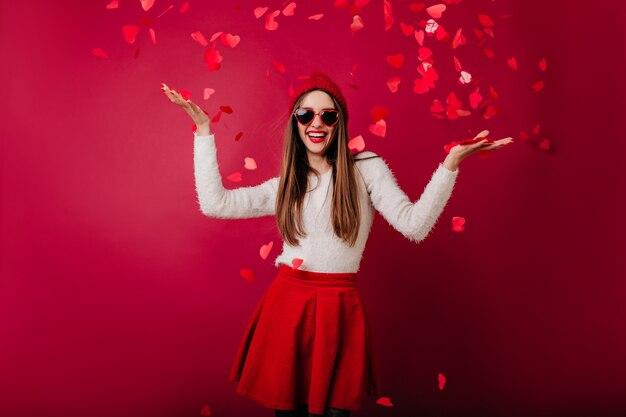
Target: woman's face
<point>317,100</point>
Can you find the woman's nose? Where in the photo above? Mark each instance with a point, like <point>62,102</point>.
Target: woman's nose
<point>317,120</point>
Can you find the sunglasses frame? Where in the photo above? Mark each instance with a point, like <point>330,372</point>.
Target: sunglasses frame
<point>315,114</point>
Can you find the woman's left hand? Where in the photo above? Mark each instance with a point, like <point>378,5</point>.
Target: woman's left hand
<point>460,152</point>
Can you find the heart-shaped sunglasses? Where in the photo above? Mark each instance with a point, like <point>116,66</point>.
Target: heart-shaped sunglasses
<point>305,116</point>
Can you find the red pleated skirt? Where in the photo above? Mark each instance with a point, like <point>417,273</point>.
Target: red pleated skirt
<point>308,342</point>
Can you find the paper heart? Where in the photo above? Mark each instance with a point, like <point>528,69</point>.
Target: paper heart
<point>475,98</point>
<point>379,128</point>
<point>99,52</point>
<point>316,16</point>
<point>512,62</point>
<point>431,26</point>
<point>424,53</point>
<point>212,59</point>
<point>458,224</point>
<point>288,10</point>
<point>442,380</point>
<point>485,20</point>
<point>113,5</point>
<point>247,274</point>
<point>249,163</point>
<point>545,144</point>
<point>147,4</point>
<point>543,64</point>
<point>436,10</point>
<point>407,30</point>
<point>259,11</point>
<point>208,92</point>
<point>265,249</point>
<point>199,37</point>
<point>356,144</point>
<point>279,67</point>
<point>357,23</point>
<point>459,39</point>
<point>419,37</point>
<point>538,86</point>
<point>130,33</point>
<point>378,113</point>
<point>465,77</point>
<point>393,83</point>
<point>386,401</point>
<point>296,262</point>
<point>536,128</point>
<point>230,40</point>
<point>270,22</point>
<point>396,60</point>
<point>206,411</point>
<point>215,36</point>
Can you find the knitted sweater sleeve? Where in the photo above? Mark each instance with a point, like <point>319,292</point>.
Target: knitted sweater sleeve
<point>414,220</point>
<point>215,200</point>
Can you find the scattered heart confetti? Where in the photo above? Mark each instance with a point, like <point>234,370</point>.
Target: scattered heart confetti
<point>465,77</point>
<point>215,36</point>
<point>485,20</point>
<point>152,35</point>
<point>288,10</point>
<point>113,5</point>
<point>388,12</point>
<point>393,83</point>
<point>407,30</point>
<point>184,7</point>
<point>396,60</point>
<point>442,381</point>
<point>226,109</point>
<point>543,64</point>
<point>356,144</point>
<point>379,128</point>
<point>386,401</point>
<point>206,411</point>
<point>247,274</point>
<point>265,249</point>
<point>99,52</point>
<point>147,4</point>
<point>279,67</point>
<point>431,26</point>
<point>512,62</point>
<point>212,59</point>
<point>424,53</point>
<point>436,10</point>
<point>378,113</point>
<point>270,22</point>
<point>488,53</point>
<point>536,128</point>
<point>538,86</point>
<point>416,7</point>
<point>296,262</point>
<point>316,16</point>
<point>259,11</point>
<point>545,144</point>
<point>235,177</point>
<point>249,163</point>
<point>238,136</point>
<point>357,23</point>
<point>459,39</point>
<point>208,92</point>
<point>475,98</point>
<point>458,225</point>
<point>130,33</point>
<point>419,37</point>
<point>457,64</point>
<point>230,40</point>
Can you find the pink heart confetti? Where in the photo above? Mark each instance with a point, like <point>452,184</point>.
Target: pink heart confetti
<point>485,20</point>
<point>442,381</point>
<point>396,60</point>
<point>545,144</point>
<point>538,86</point>
<point>288,10</point>
<point>316,16</point>
<point>386,401</point>
<point>208,92</point>
<point>130,33</point>
<point>113,5</point>
<point>99,53</point>
<point>247,274</point>
<point>378,113</point>
<point>488,53</point>
<point>226,109</point>
<point>212,59</point>
<point>436,10</point>
<point>543,64</point>
<point>259,11</point>
<point>393,83</point>
<point>379,128</point>
<point>215,36</point>
<point>424,53</point>
<point>458,224</point>
<point>270,22</point>
<point>475,98</point>
<point>356,144</point>
<point>419,37</point>
<point>184,7</point>
<point>279,67</point>
<point>459,39</point>
<point>431,26</point>
<point>249,163</point>
<point>230,40</point>
<point>357,23</point>
<point>416,7</point>
<point>265,250</point>
<point>512,62</point>
<point>147,4</point>
<point>152,35</point>
<point>296,262</point>
<point>536,128</point>
<point>388,13</point>
<point>407,30</point>
<point>235,177</point>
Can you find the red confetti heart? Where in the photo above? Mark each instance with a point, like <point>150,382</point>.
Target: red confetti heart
<point>99,52</point>
<point>249,163</point>
<point>152,35</point>
<point>543,64</point>
<point>459,39</point>
<point>436,10</point>
<point>442,381</point>
<point>538,86</point>
<point>475,98</point>
<point>235,177</point>
<point>545,144</point>
<point>396,60</point>
<point>146,4</point>
<point>424,53</point>
<point>113,5</point>
<point>357,23</point>
<point>419,37</point>
<point>259,11</point>
<point>485,20</point>
<point>288,10</point>
<point>238,136</point>
<point>316,16</point>
<point>407,30</point>
<point>356,144</point>
<point>226,109</point>
<point>212,59</point>
<point>488,53</point>
<point>279,67</point>
<point>206,411</point>
<point>458,225</point>
<point>536,128</point>
<point>270,22</point>
<point>387,11</point>
<point>512,62</point>
<point>379,128</point>
<point>393,83</point>
<point>208,92</point>
<point>247,274</point>
<point>130,33</point>
<point>184,7</point>
<point>230,40</point>
<point>378,113</point>
<point>386,401</point>
<point>265,250</point>
<point>296,262</point>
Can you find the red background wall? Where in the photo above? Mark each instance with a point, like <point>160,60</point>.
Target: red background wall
<point>117,297</point>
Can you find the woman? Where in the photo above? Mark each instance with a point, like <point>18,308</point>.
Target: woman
<point>309,343</point>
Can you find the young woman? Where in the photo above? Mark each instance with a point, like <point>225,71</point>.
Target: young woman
<point>308,348</point>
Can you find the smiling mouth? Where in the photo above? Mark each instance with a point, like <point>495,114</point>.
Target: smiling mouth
<point>315,139</point>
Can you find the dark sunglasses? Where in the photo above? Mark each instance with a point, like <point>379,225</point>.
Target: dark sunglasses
<point>305,116</point>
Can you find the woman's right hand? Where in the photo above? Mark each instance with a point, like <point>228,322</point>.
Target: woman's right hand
<point>199,116</point>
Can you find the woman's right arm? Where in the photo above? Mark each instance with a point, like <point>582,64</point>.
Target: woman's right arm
<point>215,200</point>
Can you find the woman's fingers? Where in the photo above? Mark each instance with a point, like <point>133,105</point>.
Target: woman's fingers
<point>482,134</point>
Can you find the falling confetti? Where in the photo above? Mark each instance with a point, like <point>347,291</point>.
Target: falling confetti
<point>458,224</point>
<point>265,249</point>
<point>247,274</point>
<point>386,401</point>
<point>356,144</point>
<point>379,128</point>
<point>442,381</point>
<point>249,163</point>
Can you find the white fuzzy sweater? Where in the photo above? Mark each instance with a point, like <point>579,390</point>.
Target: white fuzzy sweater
<point>321,249</point>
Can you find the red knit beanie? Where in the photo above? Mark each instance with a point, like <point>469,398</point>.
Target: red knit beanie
<point>321,81</point>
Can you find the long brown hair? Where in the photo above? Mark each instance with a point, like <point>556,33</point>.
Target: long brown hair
<point>295,169</point>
